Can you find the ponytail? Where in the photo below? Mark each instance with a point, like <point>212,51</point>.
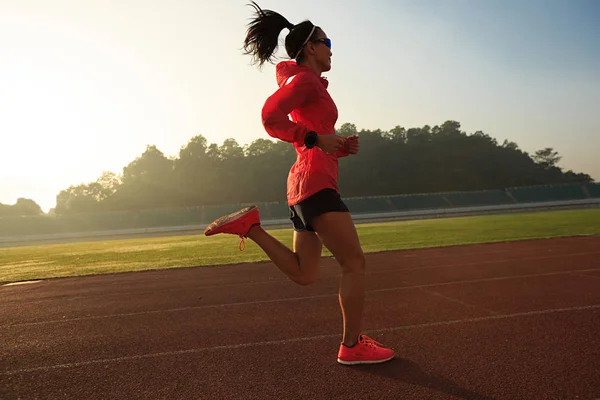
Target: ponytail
<point>262,36</point>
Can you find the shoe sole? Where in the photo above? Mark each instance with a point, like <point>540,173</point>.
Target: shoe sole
<point>226,219</point>
<point>365,362</point>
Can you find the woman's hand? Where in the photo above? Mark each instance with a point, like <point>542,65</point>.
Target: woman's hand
<point>330,143</point>
<point>351,145</point>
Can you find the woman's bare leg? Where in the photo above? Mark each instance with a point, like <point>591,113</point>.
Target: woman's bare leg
<point>338,234</point>
<point>302,264</point>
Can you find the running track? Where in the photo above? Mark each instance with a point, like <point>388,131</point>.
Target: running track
<point>497,321</point>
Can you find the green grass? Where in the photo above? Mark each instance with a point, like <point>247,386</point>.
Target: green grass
<point>51,261</point>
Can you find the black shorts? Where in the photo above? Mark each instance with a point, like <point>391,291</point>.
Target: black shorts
<point>326,200</point>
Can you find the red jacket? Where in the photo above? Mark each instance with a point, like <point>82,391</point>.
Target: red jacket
<point>305,98</point>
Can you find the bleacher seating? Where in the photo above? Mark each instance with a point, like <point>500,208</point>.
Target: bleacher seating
<point>418,202</point>
<point>16,226</point>
<point>277,211</point>
<point>364,205</point>
<point>593,189</point>
<point>547,193</point>
<point>483,198</point>
<point>210,213</point>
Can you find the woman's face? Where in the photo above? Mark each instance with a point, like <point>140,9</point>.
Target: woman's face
<point>321,51</point>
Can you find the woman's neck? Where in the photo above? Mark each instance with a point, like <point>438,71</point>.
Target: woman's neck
<point>312,64</point>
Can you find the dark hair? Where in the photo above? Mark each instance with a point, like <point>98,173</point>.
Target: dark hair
<point>263,35</point>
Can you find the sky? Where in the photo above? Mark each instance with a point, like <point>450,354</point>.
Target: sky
<point>85,86</point>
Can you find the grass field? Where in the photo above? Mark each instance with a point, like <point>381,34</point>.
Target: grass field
<point>62,260</point>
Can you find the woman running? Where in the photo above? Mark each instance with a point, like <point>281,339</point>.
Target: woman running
<point>318,214</point>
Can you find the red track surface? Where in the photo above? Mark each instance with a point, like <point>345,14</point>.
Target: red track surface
<point>498,321</point>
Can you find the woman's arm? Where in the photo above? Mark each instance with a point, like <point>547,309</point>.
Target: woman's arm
<point>276,110</point>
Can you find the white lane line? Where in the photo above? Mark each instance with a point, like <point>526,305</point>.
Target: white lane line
<point>249,303</point>
<point>587,276</point>
<point>482,263</point>
<point>324,278</point>
<point>490,318</point>
<point>21,283</point>
<point>458,301</point>
<point>451,299</point>
<point>498,278</point>
<point>295,340</point>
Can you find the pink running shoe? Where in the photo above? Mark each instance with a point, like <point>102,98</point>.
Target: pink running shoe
<point>238,223</point>
<point>366,351</point>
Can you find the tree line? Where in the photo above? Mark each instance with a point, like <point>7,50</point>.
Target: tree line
<point>22,207</point>
<point>400,161</point>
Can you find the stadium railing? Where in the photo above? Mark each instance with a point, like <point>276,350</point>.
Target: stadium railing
<point>11,227</point>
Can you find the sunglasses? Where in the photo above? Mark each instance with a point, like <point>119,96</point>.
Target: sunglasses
<point>326,41</point>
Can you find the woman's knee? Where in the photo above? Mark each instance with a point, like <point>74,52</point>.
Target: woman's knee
<point>307,278</point>
<point>338,233</point>
<point>354,261</point>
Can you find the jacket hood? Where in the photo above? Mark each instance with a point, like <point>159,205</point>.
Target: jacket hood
<point>286,69</point>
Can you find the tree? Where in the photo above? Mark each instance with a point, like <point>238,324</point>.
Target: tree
<point>230,172</point>
<point>347,129</point>
<point>231,150</point>
<point>195,149</point>
<point>82,198</point>
<point>397,135</point>
<point>192,173</point>
<point>147,181</point>
<point>510,145</point>
<point>108,184</point>
<point>151,168</point>
<point>23,207</point>
<point>259,147</point>
<point>547,157</point>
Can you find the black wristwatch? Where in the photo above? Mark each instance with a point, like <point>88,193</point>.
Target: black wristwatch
<point>310,140</point>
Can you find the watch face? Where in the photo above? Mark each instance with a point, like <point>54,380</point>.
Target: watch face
<point>310,139</point>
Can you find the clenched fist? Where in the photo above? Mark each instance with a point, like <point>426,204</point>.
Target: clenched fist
<point>351,144</point>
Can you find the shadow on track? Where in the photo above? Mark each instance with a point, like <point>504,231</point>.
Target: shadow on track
<point>407,371</point>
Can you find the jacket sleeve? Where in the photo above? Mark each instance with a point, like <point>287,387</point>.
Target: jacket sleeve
<point>281,103</point>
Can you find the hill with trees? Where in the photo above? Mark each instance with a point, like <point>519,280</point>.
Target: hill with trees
<point>400,161</point>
